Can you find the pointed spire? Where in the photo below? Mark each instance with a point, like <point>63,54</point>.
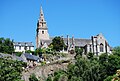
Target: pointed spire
<point>41,11</point>
<point>41,21</point>
<point>41,14</point>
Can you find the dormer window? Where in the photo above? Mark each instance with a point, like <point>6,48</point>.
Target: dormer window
<point>19,44</point>
<point>25,44</point>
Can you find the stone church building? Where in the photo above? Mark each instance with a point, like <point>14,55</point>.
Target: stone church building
<point>96,44</point>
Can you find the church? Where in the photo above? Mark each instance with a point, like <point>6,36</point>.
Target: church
<point>96,44</point>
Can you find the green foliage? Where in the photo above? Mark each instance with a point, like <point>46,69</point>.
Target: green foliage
<point>78,52</point>
<point>18,53</point>
<point>109,78</point>
<point>58,43</point>
<point>29,51</point>
<point>90,55</point>
<point>103,58</point>
<point>115,77</point>
<point>114,64</point>
<point>116,51</point>
<point>43,63</point>
<point>39,52</point>
<point>102,68</point>
<point>63,54</point>
<point>85,70</point>
<point>11,70</point>
<point>33,78</point>
<point>109,64</point>
<point>49,78</point>
<point>6,46</point>
<point>58,76</point>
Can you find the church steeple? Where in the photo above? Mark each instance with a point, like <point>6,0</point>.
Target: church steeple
<point>42,30</point>
<point>41,15</point>
<point>41,21</point>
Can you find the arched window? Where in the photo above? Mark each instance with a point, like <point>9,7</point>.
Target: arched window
<point>101,47</point>
<point>42,32</point>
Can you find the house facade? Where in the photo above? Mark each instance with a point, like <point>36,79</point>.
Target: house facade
<point>23,46</point>
<point>96,44</point>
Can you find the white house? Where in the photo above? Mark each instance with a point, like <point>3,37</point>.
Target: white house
<point>23,46</point>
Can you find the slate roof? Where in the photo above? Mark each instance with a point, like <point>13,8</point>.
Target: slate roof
<point>31,57</point>
<point>19,58</point>
<point>23,44</point>
<point>47,41</point>
<point>77,42</point>
<point>13,57</point>
<point>82,42</point>
<point>2,55</point>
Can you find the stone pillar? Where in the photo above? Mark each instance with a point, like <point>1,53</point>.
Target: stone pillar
<point>73,42</point>
<point>68,43</point>
<point>92,38</point>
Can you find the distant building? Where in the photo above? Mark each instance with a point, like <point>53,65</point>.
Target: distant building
<point>96,44</point>
<point>23,46</point>
<point>29,57</point>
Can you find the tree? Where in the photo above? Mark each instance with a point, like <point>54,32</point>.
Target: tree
<point>49,78</point>
<point>60,75</point>
<point>109,64</point>
<point>116,50</point>
<point>78,51</point>
<point>11,70</point>
<point>102,68</point>
<point>39,52</point>
<point>58,44</point>
<point>115,77</point>
<point>90,55</point>
<point>103,58</point>
<point>113,64</point>
<point>33,78</point>
<point>6,45</point>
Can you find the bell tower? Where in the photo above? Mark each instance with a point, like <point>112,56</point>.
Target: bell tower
<point>42,30</point>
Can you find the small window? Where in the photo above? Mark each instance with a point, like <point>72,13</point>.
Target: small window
<point>42,32</point>
<point>42,24</point>
<point>29,48</point>
<point>25,47</point>
<point>19,47</point>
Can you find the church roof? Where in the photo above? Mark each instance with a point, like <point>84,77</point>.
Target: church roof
<point>47,41</point>
<point>82,42</point>
<point>77,42</point>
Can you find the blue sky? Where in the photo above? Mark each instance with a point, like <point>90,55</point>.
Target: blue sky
<point>81,18</point>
